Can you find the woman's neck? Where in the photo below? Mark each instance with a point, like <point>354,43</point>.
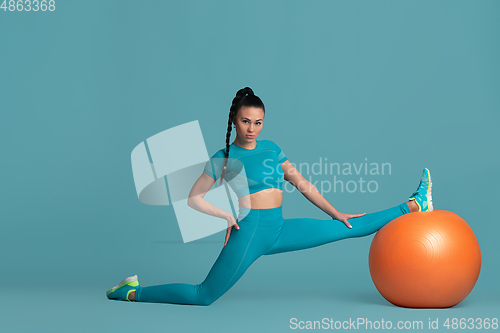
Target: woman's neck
<point>245,144</point>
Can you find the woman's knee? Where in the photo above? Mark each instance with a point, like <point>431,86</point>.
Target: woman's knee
<point>208,299</point>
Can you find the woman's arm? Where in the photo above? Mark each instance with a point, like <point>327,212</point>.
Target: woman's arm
<point>294,177</point>
<point>196,197</point>
<point>196,201</point>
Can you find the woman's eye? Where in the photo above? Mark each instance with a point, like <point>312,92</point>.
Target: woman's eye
<point>246,121</point>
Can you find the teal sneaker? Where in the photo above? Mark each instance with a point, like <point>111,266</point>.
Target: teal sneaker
<point>423,194</point>
<point>123,289</point>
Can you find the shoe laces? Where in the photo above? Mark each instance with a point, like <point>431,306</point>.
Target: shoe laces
<point>422,185</point>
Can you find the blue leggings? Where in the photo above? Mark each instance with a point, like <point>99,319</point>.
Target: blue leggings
<point>264,232</point>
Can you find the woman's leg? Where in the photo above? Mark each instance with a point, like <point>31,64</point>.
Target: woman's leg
<point>242,249</point>
<point>304,233</point>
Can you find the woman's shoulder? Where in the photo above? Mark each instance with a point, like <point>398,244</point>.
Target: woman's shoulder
<point>270,144</point>
<point>273,146</point>
<point>220,153</point>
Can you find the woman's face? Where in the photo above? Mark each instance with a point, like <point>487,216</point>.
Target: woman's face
<point>248,122</point>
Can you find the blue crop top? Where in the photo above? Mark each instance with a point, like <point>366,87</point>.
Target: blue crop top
<point>249,170</point>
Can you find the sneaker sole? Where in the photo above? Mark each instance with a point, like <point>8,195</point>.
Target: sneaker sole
<point>130,281</point>
<point>429,192</point>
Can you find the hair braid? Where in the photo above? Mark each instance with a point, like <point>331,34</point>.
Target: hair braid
<point>244,97</point>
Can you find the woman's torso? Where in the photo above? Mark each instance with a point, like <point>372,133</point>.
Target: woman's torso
<point>268,198</point>
<point>255,175</point>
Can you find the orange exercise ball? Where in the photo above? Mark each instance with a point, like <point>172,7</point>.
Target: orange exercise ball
<point>425,260</point>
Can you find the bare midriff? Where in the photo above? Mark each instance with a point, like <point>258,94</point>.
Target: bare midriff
<point>268,198</point>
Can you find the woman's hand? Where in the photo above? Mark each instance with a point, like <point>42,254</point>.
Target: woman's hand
<point>231,221</point>
<point>343,217</point>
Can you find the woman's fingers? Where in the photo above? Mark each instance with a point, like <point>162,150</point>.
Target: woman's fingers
<point>228,232</point>
<point>349,216</point>
<point>344,220</point>
<point>355,215</point>
<point>232,223</point>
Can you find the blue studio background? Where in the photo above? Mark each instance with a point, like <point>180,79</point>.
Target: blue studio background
<point>410,83</point>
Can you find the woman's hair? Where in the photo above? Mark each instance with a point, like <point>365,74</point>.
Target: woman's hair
<point>244,97</point>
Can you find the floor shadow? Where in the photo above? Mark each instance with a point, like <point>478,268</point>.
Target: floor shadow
<point>362,298</point>
<point>353,297</point>
<point>194,242</point>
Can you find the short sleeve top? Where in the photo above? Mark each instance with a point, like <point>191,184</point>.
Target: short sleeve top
<point>249,170</point>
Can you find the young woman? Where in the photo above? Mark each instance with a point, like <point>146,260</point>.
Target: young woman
<point>261,228</point>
